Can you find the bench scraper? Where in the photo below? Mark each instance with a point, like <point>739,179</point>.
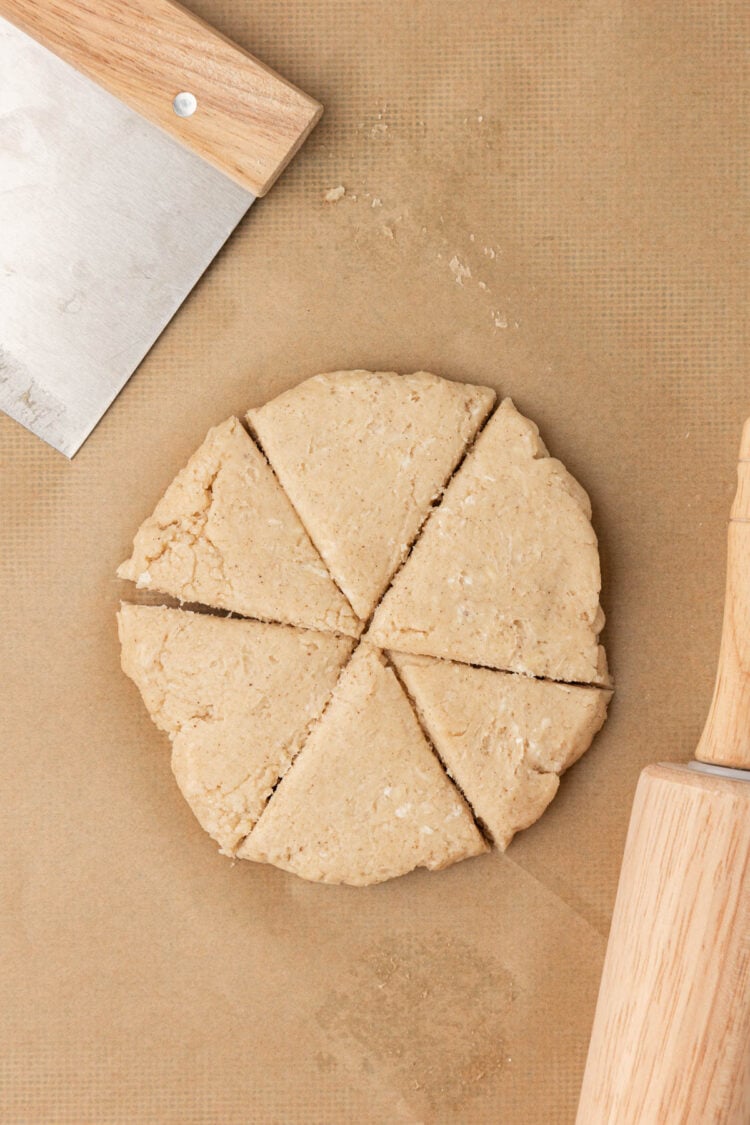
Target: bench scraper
<point>133,138</point>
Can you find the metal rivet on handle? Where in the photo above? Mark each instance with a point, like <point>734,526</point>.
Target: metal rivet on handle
<point>185,104</point>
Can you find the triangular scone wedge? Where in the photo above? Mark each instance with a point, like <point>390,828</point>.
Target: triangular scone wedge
<point>366,799</point>
<point>504,738</point>
<point>237,699</point>
<point>362,456</point>
<point>506,572</point>
<point>224,534</point>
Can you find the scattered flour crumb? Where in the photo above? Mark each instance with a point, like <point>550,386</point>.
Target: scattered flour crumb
<point>376,202</point>
<point>387,231</point>
<point>472,238</point>
<point>425,830</point>
<point>387,791</point>
<point>499,320</point>
<point>379,129</point>
<point>335,193</point>
<point>403,810</point>
<point>489,251</point>
<point>482,284</point>
<point>459,269</point>
<point>480,118</point>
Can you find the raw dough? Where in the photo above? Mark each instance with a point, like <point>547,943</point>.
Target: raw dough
<point>237,699</point>
<point>224,534</point>
<point>504,738</point>
<point>362,457</point>
<point>506,572</point>
<point>366,799</point>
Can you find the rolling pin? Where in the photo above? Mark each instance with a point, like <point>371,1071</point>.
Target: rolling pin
<point>671,1037</point>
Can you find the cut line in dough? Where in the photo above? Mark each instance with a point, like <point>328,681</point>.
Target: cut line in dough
<point>367,799</point>
<point>363,455</point>
<point>237,699</point>
<point>504,738</point>
<point>225,535</point>
<point>506,571</point>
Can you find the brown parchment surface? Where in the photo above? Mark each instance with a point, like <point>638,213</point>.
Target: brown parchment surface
<point>548,197</point>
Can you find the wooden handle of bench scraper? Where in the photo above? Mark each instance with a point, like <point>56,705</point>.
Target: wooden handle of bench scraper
<point>248,121</point>
<point>671,1037</point>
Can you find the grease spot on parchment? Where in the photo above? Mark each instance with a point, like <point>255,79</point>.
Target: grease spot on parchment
<point>326,1062</point>
<point>433,1014</point>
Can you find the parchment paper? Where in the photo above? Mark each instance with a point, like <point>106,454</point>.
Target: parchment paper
<point>548,197</point>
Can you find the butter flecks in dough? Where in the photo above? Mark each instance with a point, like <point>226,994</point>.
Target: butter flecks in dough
<point>366,799</point>
<point>506,572</point>
<point>503,737</point>
<point>237,699</point>
<point>362,456</point>
<point>224,534</point>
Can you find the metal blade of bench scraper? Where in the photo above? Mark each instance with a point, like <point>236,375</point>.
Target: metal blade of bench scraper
<point>106,224</point>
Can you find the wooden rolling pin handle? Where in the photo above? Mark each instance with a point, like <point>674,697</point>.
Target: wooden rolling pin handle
<point>237,114</point>
<point>726,738</point>
<point>671,1037</point>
